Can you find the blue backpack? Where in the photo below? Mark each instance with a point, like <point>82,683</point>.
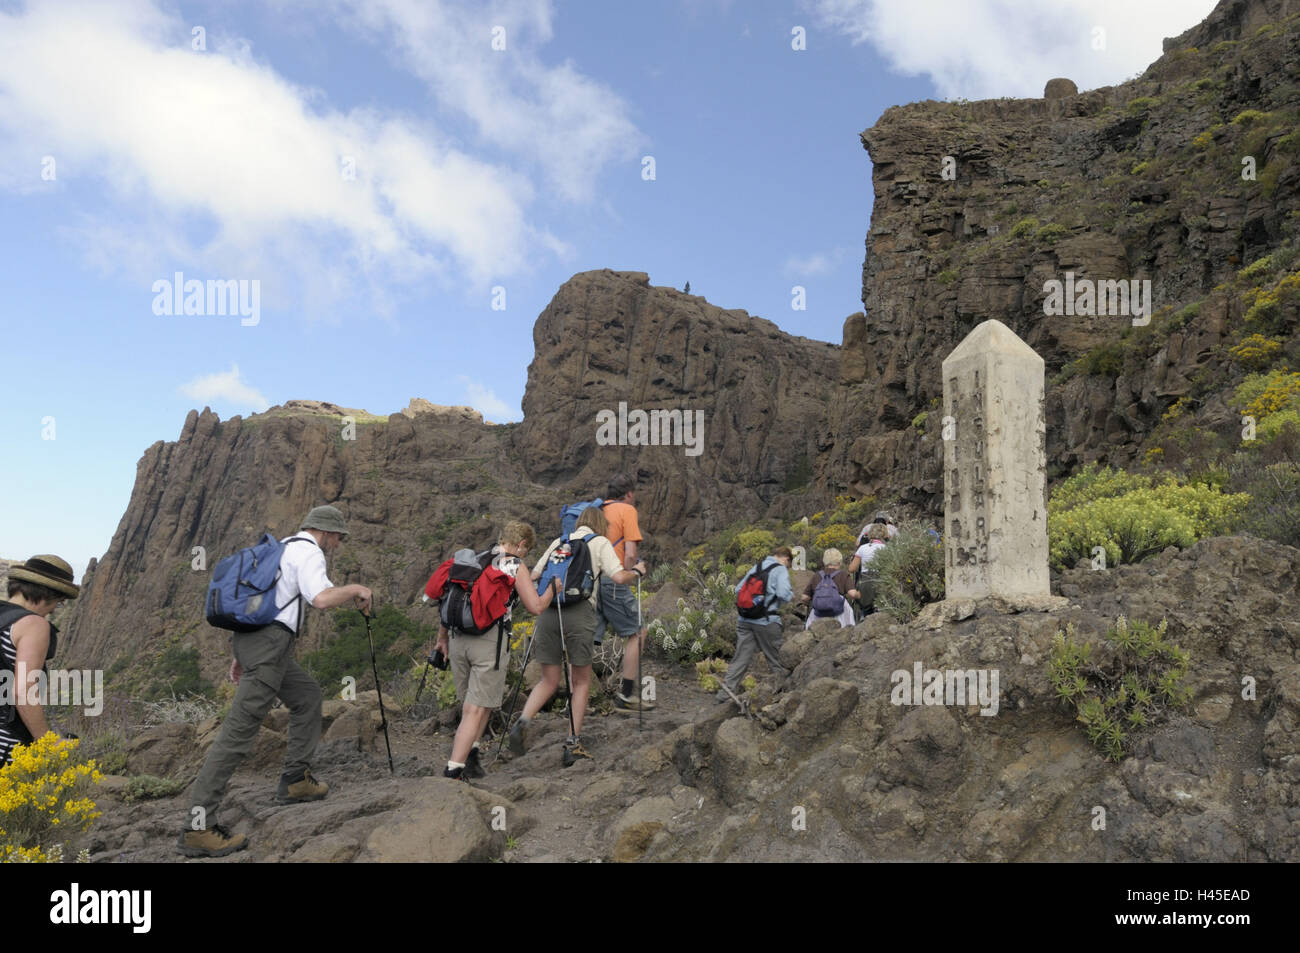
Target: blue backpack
<point>570,563</point>
<point>569,514</point>
<point>241,595</point>
<point>826,599</point>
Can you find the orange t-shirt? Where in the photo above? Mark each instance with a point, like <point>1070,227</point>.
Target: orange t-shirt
<point>622,526</point>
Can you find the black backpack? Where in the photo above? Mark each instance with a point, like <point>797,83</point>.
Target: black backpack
<point>570,563</point>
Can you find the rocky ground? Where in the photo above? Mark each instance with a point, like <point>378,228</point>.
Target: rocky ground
<point>829,768</point>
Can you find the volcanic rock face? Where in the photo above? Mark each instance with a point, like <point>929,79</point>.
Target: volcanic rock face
<point>609,338</point>
<point>410,487</point>
<point>1107,184</point>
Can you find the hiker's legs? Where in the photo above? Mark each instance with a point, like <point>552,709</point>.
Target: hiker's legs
<point>769,638</point>
<point>262,654</point>
<point>581,676</point>
<point>543,691</point>
<point>631,654</point>
<point>302,695</point>
<point>744,655</point>
<point>473,719</point>
<point>479,664</point>
<point>618,609</point>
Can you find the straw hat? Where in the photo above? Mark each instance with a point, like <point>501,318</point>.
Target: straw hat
<point>49,571</point>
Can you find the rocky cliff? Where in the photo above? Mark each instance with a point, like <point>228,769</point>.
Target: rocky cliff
<point>978,204</point>
<point>610,338</point>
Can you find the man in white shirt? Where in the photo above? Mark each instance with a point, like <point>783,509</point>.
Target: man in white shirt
<point>264,669</point>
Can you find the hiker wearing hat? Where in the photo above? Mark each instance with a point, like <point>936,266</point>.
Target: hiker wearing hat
<point>27,641</point>
<point>264,669</point>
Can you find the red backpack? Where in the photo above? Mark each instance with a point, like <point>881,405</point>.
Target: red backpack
<point>473,595</point>
<point>753,592</point>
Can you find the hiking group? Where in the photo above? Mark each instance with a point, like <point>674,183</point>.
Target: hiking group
<point>579,588</point>
<point>585,585</point>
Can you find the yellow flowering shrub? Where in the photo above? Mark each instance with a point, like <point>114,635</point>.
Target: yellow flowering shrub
<point>1262,394</point>
<point>43,800</point>
<point>1255,350</point>
<point>1137,521</point>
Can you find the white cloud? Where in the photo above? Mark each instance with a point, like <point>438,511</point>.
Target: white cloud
<point>488,403</point>
<point>554,116</point>
<point>217,143</point>
<point>816,264</point>
<point>226,387</point>
<point>982,49</point>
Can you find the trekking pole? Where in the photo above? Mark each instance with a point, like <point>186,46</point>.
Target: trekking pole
<point>515,697</point>
<point>428,664</point>
<point>374,667</point>
<point>564,651</point>
<point>640,650</point>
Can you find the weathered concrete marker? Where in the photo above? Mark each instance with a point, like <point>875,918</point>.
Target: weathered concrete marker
<point>995,510</point>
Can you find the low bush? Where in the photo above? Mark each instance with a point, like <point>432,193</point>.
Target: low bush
<point>1126,685</point>
<point>43,802</point>
<point>910,573</point>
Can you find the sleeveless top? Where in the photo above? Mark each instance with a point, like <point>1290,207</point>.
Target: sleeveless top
<point>13,732</point>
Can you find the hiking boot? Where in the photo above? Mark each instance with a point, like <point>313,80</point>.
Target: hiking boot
<point>305,788</point>
<point>573,753</point>
<point>473,767</point>
<point>633,704</point>
<point>456,774</point>
<point>214,842</point>
<point>516,738</point>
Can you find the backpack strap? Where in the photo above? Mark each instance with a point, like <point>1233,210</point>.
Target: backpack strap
<point>302,614</point>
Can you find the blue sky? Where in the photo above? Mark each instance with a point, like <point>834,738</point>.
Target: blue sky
<point>379,168</point>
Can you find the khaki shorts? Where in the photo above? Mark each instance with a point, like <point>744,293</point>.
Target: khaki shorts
<point>472,659</point>
<point>579,628</point>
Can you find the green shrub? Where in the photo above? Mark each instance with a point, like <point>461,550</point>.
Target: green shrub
<point>1274,490</point>
<point>704,625</point>
<point>397,639</point>
<point>1105,360</point>
<point>1141,104</point>
<point>947,276</point>
<point>1051,234</point>
<point>1248,116</point>
<point>751,546</point>
<point>146,787</point>
<point>1259,266</point>
<point>1136,523</point>
<point>1094,483</point>
<point>851,511</point>
<point>1141,679</point>
<point>1024,228</point>
<point>838,536</point>
<point>911,573</point>
<point>175,673</point>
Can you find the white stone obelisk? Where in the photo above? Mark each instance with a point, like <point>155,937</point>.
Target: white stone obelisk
<point>994,452</point>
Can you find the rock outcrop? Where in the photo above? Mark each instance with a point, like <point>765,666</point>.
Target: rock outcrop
<point>611,338</point>
<point>1137,181</point>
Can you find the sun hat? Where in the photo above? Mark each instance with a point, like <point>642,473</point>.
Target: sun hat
<point>326,518</point>
<point>49,571</point>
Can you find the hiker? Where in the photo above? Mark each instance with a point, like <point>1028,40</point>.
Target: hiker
<point>27,641</point>
<point>830,591</point>
<point>476,660</point>
<point>618,606</point>
<point>864,577</point>
<point>580,621</point>
<point>264,669</point>
<point>889,531</point>
<point>762,629</point>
